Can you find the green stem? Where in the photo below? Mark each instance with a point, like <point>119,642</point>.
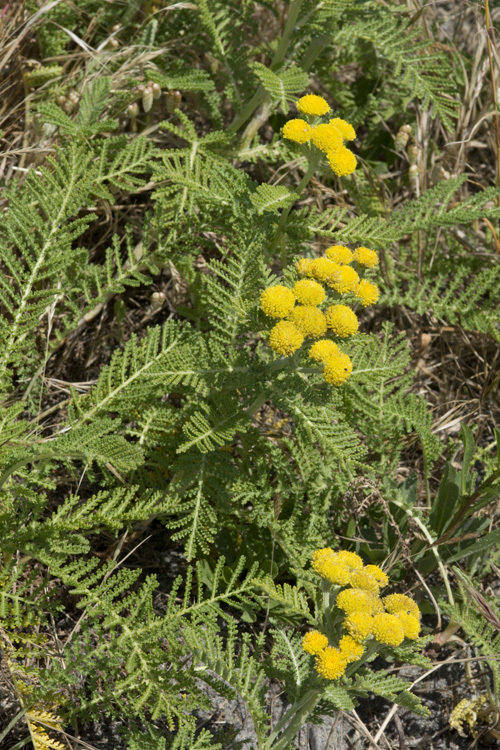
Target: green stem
<point>293,720</point>
<point>248,109</point>
<point>260,95</point>
<point>314,50</point>
<point>291,21</point>
<point>258,402</point>
<point>313,165</point>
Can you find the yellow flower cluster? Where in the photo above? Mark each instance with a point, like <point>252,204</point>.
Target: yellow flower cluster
<point>299,306</point>
<point>327,137</point>
<point>331,662</point>
<point>387,621</point>
<point>314,642</point>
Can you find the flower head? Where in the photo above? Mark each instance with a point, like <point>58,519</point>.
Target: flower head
<point>366,257</point>
<point>388,629</point>
<point>321,350</point>
<point>314,642</point>
<point>347,130</point>
<point>326,137</point>
<point>359,625</point>
<point>330,663</point>
<point>345,280</point>
<point>304,266</point>
<point>340,254</point>
<point>309,320</point>
<point>395,603</point>
<point>309,292</point>
<point>338,368</point>
<point>378,574</point>
<point>342,161</point>
<point>350,649</point>
<point>350,558</point>
<point>367,292</point>
<point>297,130</point>
<point>277,301</point>
<point>323,269</point>
<point>325,562</point>
<point>285,338</point>
<point>410,623</point>
<point>313,105</point>
<point>363,580</point>
<point>358,600</point>
<point>342,320</point>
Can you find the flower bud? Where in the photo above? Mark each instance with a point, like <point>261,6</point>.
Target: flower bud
<point>413,152</point>
<point>74,97</point>
<point>174,99</point>
<point>156,88</point>
<point>147,99</point>
<point>157,300</point>
<point>402,138</point>
<point>413,173</point>
<point>133,109</point>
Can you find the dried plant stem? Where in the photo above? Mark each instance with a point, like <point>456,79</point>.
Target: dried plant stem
<point>489,37</point>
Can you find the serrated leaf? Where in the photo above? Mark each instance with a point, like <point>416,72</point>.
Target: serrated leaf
<point>272,198</point>
<point>282,86</point>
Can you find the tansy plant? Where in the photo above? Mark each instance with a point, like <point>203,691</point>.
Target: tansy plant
<point>333,277</point>
<point>330,278</point>
<point>324,138</point>
<point>320,139</point>
<point>354,622</point>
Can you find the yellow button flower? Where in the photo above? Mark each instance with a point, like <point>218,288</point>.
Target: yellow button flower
<point>277,301</point>
<point>313,105</point>
<point>351,559</point>
<point>342,320</point>
<point>309,320</point>
<point>309,292</point>
<point>324,270</point>
<point>330,663</point>
<point>363,580</point>
<point>377,573</point>
<point>304,267</point>
<point>314,642</point>
<point>350,649</point>
<point>327,564</point>
<point>410,623</point>
<point>345,280</point>
<point>340,254</point>
<point>388,629</point>
<point>321,350</point>
<point>285,338</point>
<point>367,293</point>
<point>297,130</point>
<point>366,257</point>
<point>342,161</point>
<point>326,137</point>
<point>358,600</point>
<point>347,130</point>
<point>401,603</point>
<point>338,368</point>
<point>359,625</point>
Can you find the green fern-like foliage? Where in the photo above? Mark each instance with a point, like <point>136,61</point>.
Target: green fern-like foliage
<point>129,638</point>
<point>38,232</point>
<point>282,87</point>
<point>423,72</point>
